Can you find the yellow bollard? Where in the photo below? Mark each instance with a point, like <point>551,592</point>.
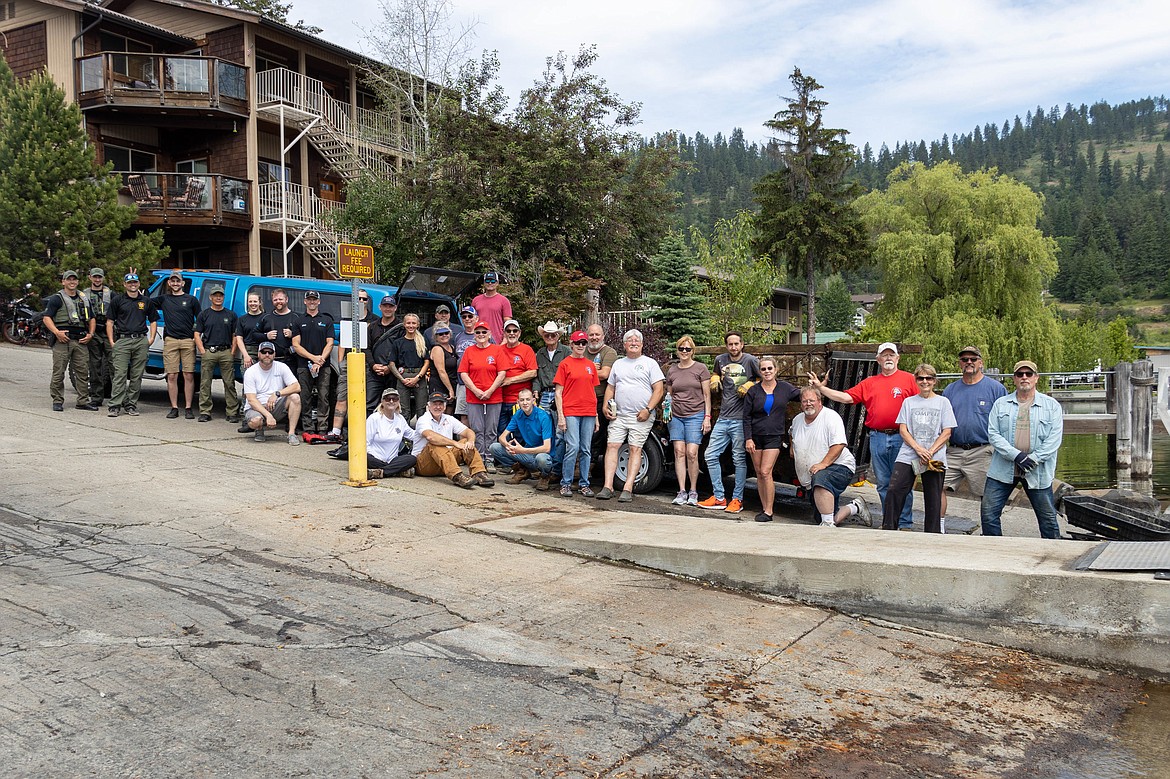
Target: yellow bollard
<point>355,366</point>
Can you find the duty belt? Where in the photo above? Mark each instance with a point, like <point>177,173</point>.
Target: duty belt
<point>130,335</point>
<point>214,349</point>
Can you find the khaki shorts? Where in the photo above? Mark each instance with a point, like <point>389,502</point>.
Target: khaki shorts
<point>628,425</point>
<point>971,464</point>
<point>179,355</point>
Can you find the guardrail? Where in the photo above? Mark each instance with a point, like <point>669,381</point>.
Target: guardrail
<point>162,79</point>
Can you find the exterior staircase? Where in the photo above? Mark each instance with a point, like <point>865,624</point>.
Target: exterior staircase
<point>354,142</point>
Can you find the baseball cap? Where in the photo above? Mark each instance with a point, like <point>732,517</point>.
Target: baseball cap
<point>266,345</point>
<point>549,327</point>
<point>214,289</point>
<point>510,323</point>
<point>390,391</point>
<point>388,301</point>
<point>578,335</point>
<point>971,350</point>
<point>67,274</point>
<point>130,277</point>
<point>176,274</point>
<point>1026,364</point>
<point>97,272</point>
<point>442,307</point>
<point>480,324</point>
<point>491,277</point>
<point>888,345</point>
<point>436,397</point>
<point>468,310</point>
<point>440,329</point>
<point>314,294</point>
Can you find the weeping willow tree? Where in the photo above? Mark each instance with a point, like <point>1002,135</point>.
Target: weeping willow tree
<point>964,263</point>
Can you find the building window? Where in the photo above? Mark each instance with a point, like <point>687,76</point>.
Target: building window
<point>126,159</point>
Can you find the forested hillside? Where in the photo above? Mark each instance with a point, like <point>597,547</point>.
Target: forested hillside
<point>1104,174</point>
<point>1102,170</point>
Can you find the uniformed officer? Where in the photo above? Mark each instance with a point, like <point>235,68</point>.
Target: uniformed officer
<point>313,343</point>
<point>126,332</point>
<point>98,296</point>
<point>215,329</point>
<point>69,320</point>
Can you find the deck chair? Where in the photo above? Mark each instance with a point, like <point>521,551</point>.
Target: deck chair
<point>141,192</point>
<point>192,196</point>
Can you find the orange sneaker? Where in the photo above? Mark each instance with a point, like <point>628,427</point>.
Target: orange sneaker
<point>734,507</point>
<point>713,502</point>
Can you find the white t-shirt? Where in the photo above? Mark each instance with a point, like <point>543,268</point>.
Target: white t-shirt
<point>925,419</point>
<point>384,436</point>
<point>633,383</point>
<point>263,383</point>
<point>445,425</point>
<point>812,441</point>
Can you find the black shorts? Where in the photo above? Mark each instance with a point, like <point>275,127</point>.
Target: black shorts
<point>768,441</point>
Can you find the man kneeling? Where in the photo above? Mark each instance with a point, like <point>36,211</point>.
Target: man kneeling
<point>526,444</point>
<point>824,465</point>
<point>386,429</point>
<point>273,395</point>
<point>442,444</point>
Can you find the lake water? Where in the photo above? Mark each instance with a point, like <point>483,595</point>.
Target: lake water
<point>1084,463</point>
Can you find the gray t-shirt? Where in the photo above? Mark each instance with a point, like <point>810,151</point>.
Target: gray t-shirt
<point>925,418</point>
<point>734,375</point>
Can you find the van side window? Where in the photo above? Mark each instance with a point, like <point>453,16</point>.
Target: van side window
<point>296,297</point>
<point>164,287</point>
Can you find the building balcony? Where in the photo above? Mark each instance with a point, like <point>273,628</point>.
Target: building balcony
<point>199,199</point>
<point>157,84</point>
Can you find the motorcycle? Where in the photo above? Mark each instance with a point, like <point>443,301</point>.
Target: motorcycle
<point>23,323</point>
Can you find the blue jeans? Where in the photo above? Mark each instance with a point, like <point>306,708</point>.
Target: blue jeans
<point>725,433</point>
<point>995,497</point>
<point>541,463</point>
<point>578,445</point>
<point>883,451</point>
<point>505,417</point>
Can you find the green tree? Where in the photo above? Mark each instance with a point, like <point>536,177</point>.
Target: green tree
<point>835,309</point>
<point>963,262</point>
<point>58,207</point>
<point>675,300</point>
<point>1117,345</point>
<point>270,9</point>
<point>807,221</point>
<point>739,282</point>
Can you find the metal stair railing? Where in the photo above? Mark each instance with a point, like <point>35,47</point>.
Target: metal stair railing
<point>302,213</point>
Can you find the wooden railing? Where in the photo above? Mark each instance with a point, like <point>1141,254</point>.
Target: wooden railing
<point>162,79</point>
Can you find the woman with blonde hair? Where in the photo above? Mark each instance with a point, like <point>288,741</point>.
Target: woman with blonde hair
<point>925,423</point>
<point>689,385</point>
<point>409,364</point>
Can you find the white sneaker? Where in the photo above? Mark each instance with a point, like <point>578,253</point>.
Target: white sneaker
<point>680,499</point>
<point>861,515</point>
<point>828,524</point>
<point>692,498</point>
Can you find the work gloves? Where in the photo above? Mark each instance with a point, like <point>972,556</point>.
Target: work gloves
<point>1025,462</point>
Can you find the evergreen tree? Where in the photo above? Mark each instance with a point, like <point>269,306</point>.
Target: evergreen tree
<point>739,282</point>
<point>835,308</point>
<point>674,298</point>
<point>59,208</point>
<point>807,221</point>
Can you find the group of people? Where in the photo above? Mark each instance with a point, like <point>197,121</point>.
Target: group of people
<point>476,394</point>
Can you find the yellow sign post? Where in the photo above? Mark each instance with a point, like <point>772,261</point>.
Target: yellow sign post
<point>356,262</point>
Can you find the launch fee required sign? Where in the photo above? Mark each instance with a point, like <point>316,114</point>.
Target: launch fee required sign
<point>355,261</point>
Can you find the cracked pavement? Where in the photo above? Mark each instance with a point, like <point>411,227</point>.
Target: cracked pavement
<point>178,600</point>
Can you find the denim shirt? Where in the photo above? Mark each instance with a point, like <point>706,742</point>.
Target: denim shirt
<point>1047,420</point>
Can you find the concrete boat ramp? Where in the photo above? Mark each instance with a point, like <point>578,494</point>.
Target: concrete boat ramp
<point>1024,593</point>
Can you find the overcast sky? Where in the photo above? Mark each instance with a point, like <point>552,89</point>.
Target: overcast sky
<point>891,69</point>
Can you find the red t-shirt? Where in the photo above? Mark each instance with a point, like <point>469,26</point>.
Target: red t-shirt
<point>578,376</point>
<point>482,365</point>
<point>516,361</point>
<point>882,397</point>
<point>494,310</point>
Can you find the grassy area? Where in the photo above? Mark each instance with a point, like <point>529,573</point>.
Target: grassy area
<point>1151,316</point>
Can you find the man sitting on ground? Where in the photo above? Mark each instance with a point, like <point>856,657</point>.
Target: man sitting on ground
<point>442,444</point>
<point>386,429</point>
<point>525,446</point>
<point>272,394</point>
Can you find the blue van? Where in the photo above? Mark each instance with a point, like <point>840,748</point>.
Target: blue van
<point>421,290</point>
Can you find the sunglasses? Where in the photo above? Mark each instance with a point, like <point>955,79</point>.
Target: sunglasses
<point>390,400</point>
<point>685,349</point>
<point>968,359</point>
<point>767,368</point>
<point>1024,374</point>
<point>919,378</point>
<point>267,351</point>
<point>511,330</point>
<point>580,343</point>
<point>442,335</point>
<point>364,300</point>
<point>480,332</point>
<point>467,316</point>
